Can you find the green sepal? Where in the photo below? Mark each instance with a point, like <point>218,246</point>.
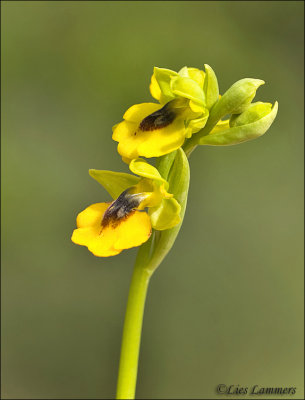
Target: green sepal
<point>166,215</point>
<point>163,77</point>
<point>210,87</point>
<point>242,133</point>
<point>114,182</point>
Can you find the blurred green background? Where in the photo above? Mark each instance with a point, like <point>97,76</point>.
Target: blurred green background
<point>226,304</point>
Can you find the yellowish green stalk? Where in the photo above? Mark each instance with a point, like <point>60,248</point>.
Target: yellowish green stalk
<point>149,257</point>
<point>130,348</point>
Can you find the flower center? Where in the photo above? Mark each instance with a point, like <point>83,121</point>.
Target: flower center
<point>120,208</point>
<point>159,119</point>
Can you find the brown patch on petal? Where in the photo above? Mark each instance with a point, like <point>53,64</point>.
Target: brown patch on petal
<point>159,119</point>
<point>121,208</point>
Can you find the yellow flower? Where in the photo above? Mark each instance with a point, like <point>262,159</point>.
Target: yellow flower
<point>108,228</point>
<point>152,130</point>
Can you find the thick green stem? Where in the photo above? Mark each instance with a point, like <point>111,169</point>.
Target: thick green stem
<point>132,332</point>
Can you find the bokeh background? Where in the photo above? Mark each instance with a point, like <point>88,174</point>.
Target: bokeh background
<point>226,304</point>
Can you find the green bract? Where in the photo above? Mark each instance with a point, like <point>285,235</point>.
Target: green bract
<point>173,167</point>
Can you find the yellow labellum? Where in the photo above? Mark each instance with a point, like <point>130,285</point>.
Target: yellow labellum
<point>138,139</point>
<point>103,241</point>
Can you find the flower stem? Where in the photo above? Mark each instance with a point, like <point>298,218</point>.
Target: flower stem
<point>132,331</point>
<point>175,168</point>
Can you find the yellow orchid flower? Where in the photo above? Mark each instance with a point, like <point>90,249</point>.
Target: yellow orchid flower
<point>108,228</point>
<point>152,130</point>
<point>106,234</point>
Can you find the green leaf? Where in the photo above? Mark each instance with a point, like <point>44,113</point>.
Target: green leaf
<point>241,133</point>
<point>114,182</point>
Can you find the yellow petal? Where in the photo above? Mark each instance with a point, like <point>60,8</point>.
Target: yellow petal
<point>83,236</point>
<point>138,112</point>
<point>142,168</point>
<point>92,215</point>
<point>197,75</point>
<point>153,143</point>
<point>123,129</point>
<point>99,252</point>
<point>133,231</point>
<point>130,232</point>
<point>163,141</point>
<point>103,247</point>
<point>155,88</point>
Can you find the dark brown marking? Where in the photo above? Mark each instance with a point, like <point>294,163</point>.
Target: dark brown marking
<point>120,209</point>
<point>159,119</point>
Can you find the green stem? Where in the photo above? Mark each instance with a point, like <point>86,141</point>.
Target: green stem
<point>132,331</point>
<point>149,257</point>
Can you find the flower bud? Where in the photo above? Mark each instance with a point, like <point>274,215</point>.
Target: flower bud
<point>236,98</point>
<point>252,113</point>
<point>252,123</point>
